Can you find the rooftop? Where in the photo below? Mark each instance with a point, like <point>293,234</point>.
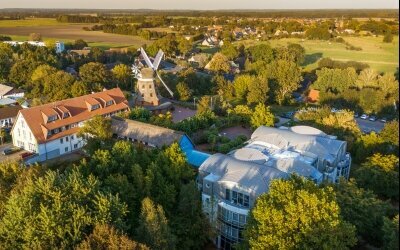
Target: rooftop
<point>40,119</point>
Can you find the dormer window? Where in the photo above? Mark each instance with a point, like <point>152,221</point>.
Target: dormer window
<point>52,118</point>
<point>109,103</point>
<point>65,115</point>
<point>95,106</point>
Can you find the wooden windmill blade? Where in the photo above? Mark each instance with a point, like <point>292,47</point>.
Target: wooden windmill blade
<point>146,58</point>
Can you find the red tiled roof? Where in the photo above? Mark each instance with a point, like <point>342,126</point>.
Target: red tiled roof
<point>313,96</point>
<point>9,112</point>
<point>78,109</point>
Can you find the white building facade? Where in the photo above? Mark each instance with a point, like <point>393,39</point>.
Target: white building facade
<point>51,130</point>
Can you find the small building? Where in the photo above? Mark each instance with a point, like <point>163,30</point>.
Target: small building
<point>8,115</point>
<point>313,95</point>
<point>157,137</point>
<point>7,101</point>
<point>10,92</point>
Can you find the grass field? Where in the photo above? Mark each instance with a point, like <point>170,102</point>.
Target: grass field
<point>51,29</point>
<point>382,57</point>
<point>161,29</point>
<point>31,22</point>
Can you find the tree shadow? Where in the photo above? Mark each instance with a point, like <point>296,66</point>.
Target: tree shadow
<point>311,58</point>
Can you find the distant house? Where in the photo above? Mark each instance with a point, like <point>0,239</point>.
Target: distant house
<point>313,95</point>
<point>211,41</point>
<point>10,92</point>
<point>7,102</point>
<point>59,46</point>
<point>80,52</point>
<point>8,115</point>
<point>198,60</point>
<point>349,31</point>
<point>280,33</point>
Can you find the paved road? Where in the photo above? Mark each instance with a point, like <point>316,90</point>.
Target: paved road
<point>367,126</point>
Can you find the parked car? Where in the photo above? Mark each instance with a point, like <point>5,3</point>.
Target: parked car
<point>333,110</point>
<point>11,150</point>
<point>372,118</point>
<point>356,115</point>
<point>383,120</point>
<point>364,116</point>
<point>25,155</point>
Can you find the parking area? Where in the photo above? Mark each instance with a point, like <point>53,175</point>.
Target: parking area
<point>10,157</point>
<point>368,126</point>
<point>180,113</point>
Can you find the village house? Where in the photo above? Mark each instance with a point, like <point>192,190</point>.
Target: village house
<point>50,130</point>
<point>10,92</point>
<point>7,115</point>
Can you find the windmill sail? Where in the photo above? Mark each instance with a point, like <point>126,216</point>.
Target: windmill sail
<point>165,85</point>
<point>157,60</point>
<point>146,58</point>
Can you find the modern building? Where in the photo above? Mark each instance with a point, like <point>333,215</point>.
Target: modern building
<point>231,183</point>
<point>50,130</point>
<point>8,115</point>
<point>157,137</point>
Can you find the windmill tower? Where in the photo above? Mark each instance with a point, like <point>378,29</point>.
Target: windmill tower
<point>147,95</point>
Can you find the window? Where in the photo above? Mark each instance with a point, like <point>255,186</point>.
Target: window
<point>207,185</point>
<point>52,118</point>
<point>75,146</point>
<point>234,197</point>
<point>149,86</point>
<point>66,149</point>
<point>151,94</point>
<point>72,137</point>
<point>96,106</point>
<point>108,103</point>
<point>66,115</point>
<point>143,86</point>
<point>66,138</point>
<point>61,141</point>
<point>237,198</point>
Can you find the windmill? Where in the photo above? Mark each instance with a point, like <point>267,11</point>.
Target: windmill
<point>146,90</point>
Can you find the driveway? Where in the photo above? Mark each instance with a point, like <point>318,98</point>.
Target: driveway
<point>11,157</point>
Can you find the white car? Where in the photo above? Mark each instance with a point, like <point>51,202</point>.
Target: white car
<point>372,118</point>
<point>364,117</point>
<point>383,120</point>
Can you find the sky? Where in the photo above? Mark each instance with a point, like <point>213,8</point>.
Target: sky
<point>202,4</point>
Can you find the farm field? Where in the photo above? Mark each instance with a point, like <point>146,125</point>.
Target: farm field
<point>382,57</point>
<point>51,29</point>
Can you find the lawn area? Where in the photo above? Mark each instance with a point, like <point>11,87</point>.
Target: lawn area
<point>161,29</point>
<point>382,57</point>
<point>29,22</point>
<point>208,50</point>
<point>49,28</point>
<point>102,45</point>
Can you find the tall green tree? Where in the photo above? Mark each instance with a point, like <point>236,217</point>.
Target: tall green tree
<point>122,74</point>
<point>297,214</point>
<point>95,74</point>
<point>380,173</point>
<point>258,91</point>
<point>105,237</point>
<point>363,209</point>
<point>262,116</point>
<point>391,233</point>
<point>286,77</point>
<point>57,210</point>
<point>153,229</point>
<point>219,63</point>
<point>241,85</point>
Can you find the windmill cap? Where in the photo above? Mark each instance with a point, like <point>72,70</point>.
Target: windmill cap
<point>147,73</point>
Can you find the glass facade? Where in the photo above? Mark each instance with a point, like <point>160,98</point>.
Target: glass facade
<point>230,227</point>
<point>237,198</point>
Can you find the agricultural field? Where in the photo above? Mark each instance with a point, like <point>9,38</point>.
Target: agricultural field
<point>382,57</point>
<point>51,29</point>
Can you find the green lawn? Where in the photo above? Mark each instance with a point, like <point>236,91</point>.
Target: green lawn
<point>382,57</point>
<point>29,22</point>
<point>102,45</point>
